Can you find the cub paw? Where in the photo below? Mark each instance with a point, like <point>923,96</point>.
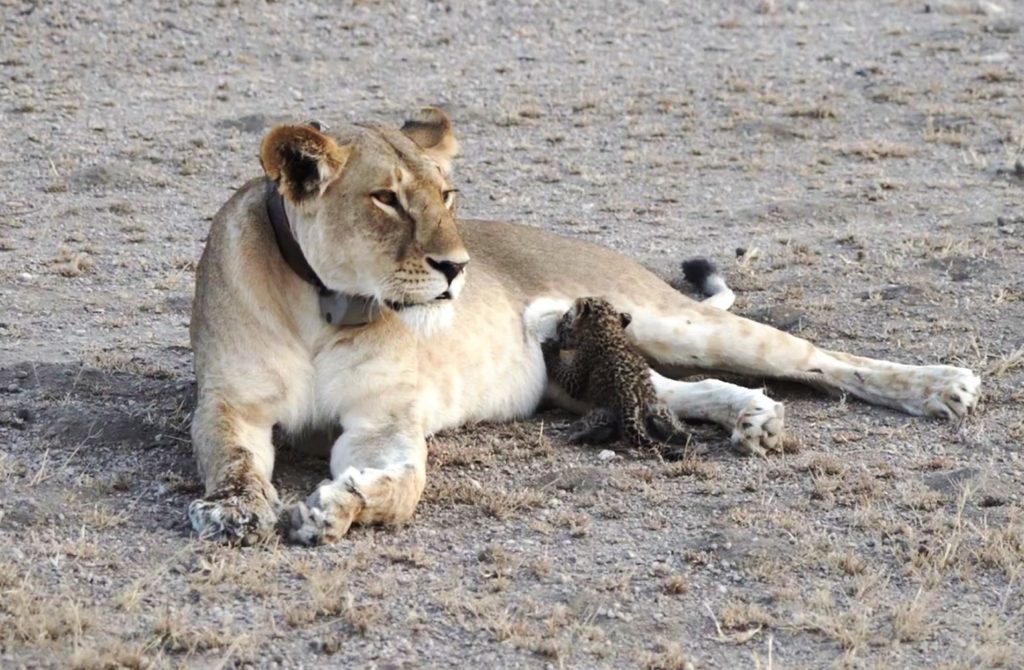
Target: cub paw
<point>760,428</point>
<point>237,517</point>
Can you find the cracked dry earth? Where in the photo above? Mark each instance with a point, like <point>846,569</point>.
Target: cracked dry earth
<point>865,155</point>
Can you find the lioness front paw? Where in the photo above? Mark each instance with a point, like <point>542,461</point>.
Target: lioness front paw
<point>950,392</point>
<point>305,525</point>
<point>240,517</point>
<point>324,518</point>
<point>760,427</point>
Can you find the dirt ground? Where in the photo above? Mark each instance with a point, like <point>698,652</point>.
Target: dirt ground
<point>866,155</point>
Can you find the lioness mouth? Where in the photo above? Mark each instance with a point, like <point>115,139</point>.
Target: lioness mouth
<point>399,306</point>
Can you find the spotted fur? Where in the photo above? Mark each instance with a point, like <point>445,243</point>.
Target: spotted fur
<point>607,372</point>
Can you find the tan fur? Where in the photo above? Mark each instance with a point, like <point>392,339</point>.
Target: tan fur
<point>264,356</point>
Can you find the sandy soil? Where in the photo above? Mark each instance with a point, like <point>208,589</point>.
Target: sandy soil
<point>865,154</point>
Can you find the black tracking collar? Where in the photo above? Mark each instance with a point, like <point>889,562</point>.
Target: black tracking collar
<point>336,308</point>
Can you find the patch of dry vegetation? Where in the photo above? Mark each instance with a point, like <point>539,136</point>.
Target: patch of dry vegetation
<point>669,656</point>
<point>874,150</point>
<point>33,618</point>
<point>69,263</point>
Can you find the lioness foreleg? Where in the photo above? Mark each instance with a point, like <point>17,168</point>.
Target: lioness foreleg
<point>379,477</point>
<point>236,457</point>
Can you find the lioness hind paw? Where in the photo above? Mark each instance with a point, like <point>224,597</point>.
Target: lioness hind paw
<point>953,394</point>
<point>760,428</point>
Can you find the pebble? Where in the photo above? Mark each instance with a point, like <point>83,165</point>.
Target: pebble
<point>26,276</point>
<point>607,455</point>
<point>990,8</point>
<point>997,57</point>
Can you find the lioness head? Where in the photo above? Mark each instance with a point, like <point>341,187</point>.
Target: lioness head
<point>373,208</point>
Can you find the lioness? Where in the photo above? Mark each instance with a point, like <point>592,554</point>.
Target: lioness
<point>338,291</point>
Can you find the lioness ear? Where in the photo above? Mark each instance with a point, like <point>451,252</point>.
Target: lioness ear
<point>301,160</point>
<point>625,318</point>
<point>431,130</point>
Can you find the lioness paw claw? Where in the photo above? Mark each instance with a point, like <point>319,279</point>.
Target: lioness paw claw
<point>235,519</point>
<point>760,428</point>
<point>305,525</point>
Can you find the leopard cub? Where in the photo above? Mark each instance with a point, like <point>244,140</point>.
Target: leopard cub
<point>602,368</point>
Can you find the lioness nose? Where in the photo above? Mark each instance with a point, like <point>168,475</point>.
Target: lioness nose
<point>449,269</point>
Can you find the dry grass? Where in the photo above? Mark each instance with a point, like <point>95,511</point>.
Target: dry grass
<point>114,655</point>
<point>738,615</point>
<point>28,618</point>
<point>817,112</point>
<point>874,150</point>
<point>69,263</point>
<point>669,656</point>
<point>499,504</point>
<point>691,466</point>
<point>914,619</point>
<point>849,626</point>
<point>175,633</point>
<point>675,585</point>
<point>328,597</point>
<point>1006,364</point>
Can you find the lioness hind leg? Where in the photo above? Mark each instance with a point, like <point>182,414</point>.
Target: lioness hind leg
<point>756,422</point>
<point>236,457</point>
<point>711,339</point>
<point>942,391</point>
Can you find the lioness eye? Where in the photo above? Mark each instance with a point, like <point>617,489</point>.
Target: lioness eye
<point>386,197</point>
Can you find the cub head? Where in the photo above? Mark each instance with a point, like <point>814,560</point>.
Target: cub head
<point>373,209</point>
<point>590,317</point>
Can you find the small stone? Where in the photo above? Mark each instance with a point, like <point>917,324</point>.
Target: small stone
<point>990,8</point>
<point>25,276</point>
<point>997,57</point>
<point>607,455</point>
<point>992,500</point>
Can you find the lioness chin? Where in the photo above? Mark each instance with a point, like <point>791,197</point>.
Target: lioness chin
<point>338,291</point>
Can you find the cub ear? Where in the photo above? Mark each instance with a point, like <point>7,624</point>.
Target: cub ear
<point>301,160</point>
<point>584,306</point>
<point>431,130</point>
<point>625,318</point>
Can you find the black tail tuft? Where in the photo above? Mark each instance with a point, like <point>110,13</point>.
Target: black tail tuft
<point>697,270</point>
<point>703,274</point>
